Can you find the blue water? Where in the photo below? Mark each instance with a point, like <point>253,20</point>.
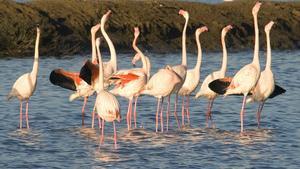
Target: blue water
<point>57,140</point>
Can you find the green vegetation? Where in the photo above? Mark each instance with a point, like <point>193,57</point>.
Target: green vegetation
<point>66,25</point>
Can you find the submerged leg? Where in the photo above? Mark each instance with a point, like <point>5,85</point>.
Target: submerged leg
<point>26,114</point>
<point>82,110</point>
<point>21,114</point>
<point>258,113</point>
<point>93,115</point>
<point>161,115</point>
<point>175,109</point>
<point>156,117</point>
<point>102,133</point>
<point>128,117</point>
<point>168,111</point>
<point>134,113</point>
<point>115,135</point>
<point>188,108</point>
<point>242,113</point>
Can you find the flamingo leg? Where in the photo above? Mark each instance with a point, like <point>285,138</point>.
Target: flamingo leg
<point>208,113</point>
<point>21,116</point>
<point>188,108</point>
<point>128,117</point>
<point>82,110</point>
<point>93,115</point>
<point>102,132</point>
<point>242,113</point>
<point>168,111</point>
<point>258,113</point>
<point>99,122</point>
<point>156,117</point>
<point>26,114</point>
<point>161,115</point>
<point>182,111</point>
<point>115,134</point>
<point>134,113</point>
<point>175,109</point>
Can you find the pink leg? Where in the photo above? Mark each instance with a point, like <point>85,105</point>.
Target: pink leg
<point>128,117</point>
<point>182,111</point>
<point>99,122</point>
<point>168,111</point>
<point>188,108</point>
<point>242,113</point>
<point>134,113</point>
<point>21,114</point>
<point>208,113</point>
<point>26,114</point>
<point>115,135</point>
<point>102,132</point>
<point>161,115</point>
<point>156,117</point>
<point>93,116</point>
<point>175,109</point>
<point>260,107</point>
<point>82,110</point>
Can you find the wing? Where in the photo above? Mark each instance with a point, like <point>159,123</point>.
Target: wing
<point>277,91</point>
<point>64,79</point>
<point>89,71</point>
<point>220,85</point>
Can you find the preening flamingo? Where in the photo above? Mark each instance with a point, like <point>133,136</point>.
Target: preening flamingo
<point>107,105</point>
<point>246,78</point>
<point>192,77</point>
<point>161,85</point>
<point>180,69</point>
<point>72,81</point>
<point>129,82</point>
<point>204,89</point>
<point>25,85</point>
<point>266,83</point>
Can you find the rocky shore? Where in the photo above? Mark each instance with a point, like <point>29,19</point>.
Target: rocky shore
<point>66,25</point>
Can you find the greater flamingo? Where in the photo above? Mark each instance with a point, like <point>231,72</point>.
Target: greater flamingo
<point>72,81</point>
<point>161,85</point>
<point>246,78</point>
<point>192,76</point>
<point>25,85</point>
<point>180,69</point>
<point>107,105</point>
<point>204,89</point>
<point>266,83</point>
<point>129,82</point>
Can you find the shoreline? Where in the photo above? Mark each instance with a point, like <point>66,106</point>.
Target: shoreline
<point>66,26</point>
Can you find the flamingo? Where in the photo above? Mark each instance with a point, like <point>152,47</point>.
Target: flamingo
<point>25,85</point>
<point>192,76</point>
<point>266,83</point>
<point>72,81</point>
<point>129,82</point>
<point>179,69</point>
<point>246,78</point>
<point>204,89</point>
<point>161,85</point>
<point>107,105</point>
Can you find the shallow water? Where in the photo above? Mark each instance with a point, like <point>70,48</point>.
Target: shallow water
<point>57,140</point>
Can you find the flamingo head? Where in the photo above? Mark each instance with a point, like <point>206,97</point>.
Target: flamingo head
<point>226,29</point>
<point>95,28</point>
<point>200,30</point>
<point>256,8</point>
<point>269,26</point>
<point>136,58</point>
<point>136,32</point>
<point>184,13</point>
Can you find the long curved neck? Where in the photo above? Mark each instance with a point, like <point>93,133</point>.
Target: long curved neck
<point>36,56</point>
<point>224,62</point>
<point>145,66</point>
<point>113,55</point>
<point>199,57</point>
<point>93,40</point>
<point>269,57</point>
<point>148,66</point>
<point>101,78</point>
<point>256,45</point>
<point>184,59</point>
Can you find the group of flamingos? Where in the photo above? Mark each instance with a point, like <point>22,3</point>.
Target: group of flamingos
<point>96,75</point>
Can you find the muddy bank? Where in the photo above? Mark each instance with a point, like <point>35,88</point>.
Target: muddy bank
<point>66,25</point>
